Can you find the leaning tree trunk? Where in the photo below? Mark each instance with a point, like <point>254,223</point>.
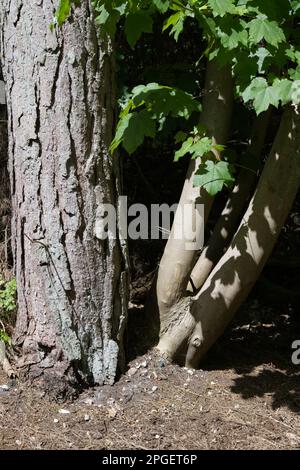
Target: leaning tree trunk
<point>178,258</point>
<point>199,321</point>
<point>71,283</point>
<point>230,216</point>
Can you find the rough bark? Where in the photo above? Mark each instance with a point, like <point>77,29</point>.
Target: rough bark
<point>178,261</point>
<point>4,189</point>
<point>202,319</point>
<point>230,217</point>
<point>71,284</point>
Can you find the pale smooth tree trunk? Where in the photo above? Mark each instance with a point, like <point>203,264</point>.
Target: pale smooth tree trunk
<point>178,260</point>
<point>71,283</point>
<point>204,317</point>
<point>230,216</point>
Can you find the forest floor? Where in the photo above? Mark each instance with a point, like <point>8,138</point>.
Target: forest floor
<point>247,396</point>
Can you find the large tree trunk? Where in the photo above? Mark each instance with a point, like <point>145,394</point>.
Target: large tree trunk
<point>71,284</point>
<point>200,320</point>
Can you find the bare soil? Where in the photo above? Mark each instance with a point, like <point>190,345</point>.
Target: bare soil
<point>246,396</point>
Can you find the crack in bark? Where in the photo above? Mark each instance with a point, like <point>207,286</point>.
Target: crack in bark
<point>72,162</point>
<point>56,74</point>
<point>20,7</point>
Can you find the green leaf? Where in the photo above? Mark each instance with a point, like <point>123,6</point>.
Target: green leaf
<point>123,124</point>
<point>63,11</point>
<point>107,19</point>
<point>262,53</point>
<point>283,88</point>
<point>295,92</point>
<point>261,94</point>
<point>213,176</point>
<point>165,101</point>
<point>202,147</point>
<point>295,5</point>
<point>180,137</point>
<point>162,5</point>
<point>184,149</point>
<point>233,40</point>
<point>176,22</point>
<point>221,7</point>
<point>132,130</point>
<point>135,25</point>
<point>261,28</point>
<point>4,337</point>
<point>196,148</point>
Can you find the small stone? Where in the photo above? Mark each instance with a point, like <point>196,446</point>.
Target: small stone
<point>87,418</point>
<point>153,389</point>
<point>62,411</point>
<point>89,401</point>
<point>157,436</point>
<point>132,371</point>
<point>161,363</point>
<point>190,371</point>
<point>112,413</point>
<point>294,439</point>
<point>19,443</point>
<point>144,364</point>
<point>128,396</point>
<point>5,387</point>
<point>55,420</point>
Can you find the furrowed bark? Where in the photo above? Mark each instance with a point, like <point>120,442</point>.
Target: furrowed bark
<point>178,260</point>
<point>4,189</point>
<point>71,283</point>
<point>203,318</point>
<point>230,217</point>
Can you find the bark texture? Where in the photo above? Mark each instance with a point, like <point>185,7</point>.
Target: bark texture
<point>4,190</point>
<point>202,319</point>
<point>71,284</point>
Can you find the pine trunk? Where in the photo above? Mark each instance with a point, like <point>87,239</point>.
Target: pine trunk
<point>71,284</point>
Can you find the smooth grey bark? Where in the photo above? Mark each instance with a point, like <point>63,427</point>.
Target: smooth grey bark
<point>230,216</point>
<point>204,317</point>
<point>177,261</point>
<point>71,284</point>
